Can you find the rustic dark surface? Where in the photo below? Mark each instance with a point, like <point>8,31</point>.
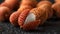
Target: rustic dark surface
<point>51,26</point>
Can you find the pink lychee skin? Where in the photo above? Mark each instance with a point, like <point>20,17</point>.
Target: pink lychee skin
<point>4,13</point>
<point>14,18</point>
<point>22,17</point>
<point>31,25</point>
<point>56,7</point>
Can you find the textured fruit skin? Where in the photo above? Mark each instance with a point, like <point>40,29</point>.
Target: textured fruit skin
<point>6,9</point>
<point>25,4</point>
<point>44,2</point>
<point>22,17</point>
<point>31,25</point>
<point>42,13</point>
<point>10,3</point>
<point>49,4</point>
<point>56,8</point>
<point>43,9</point>
<point>57,1</point>
<point>14,17</point>
<point>4,13</point>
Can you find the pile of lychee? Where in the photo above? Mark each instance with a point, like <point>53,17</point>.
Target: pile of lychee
<point>28,14</point>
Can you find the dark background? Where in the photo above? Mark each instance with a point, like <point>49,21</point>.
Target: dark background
<point>51,26</point>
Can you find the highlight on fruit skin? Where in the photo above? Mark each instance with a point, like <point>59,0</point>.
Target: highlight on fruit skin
<point>56,8</point>
<point>6,9</point>
<point>29,25</point>
<point>25,4</point>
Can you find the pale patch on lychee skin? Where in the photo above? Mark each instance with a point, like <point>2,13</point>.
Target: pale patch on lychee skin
<point>31,17</point>
<point>30,22</point>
